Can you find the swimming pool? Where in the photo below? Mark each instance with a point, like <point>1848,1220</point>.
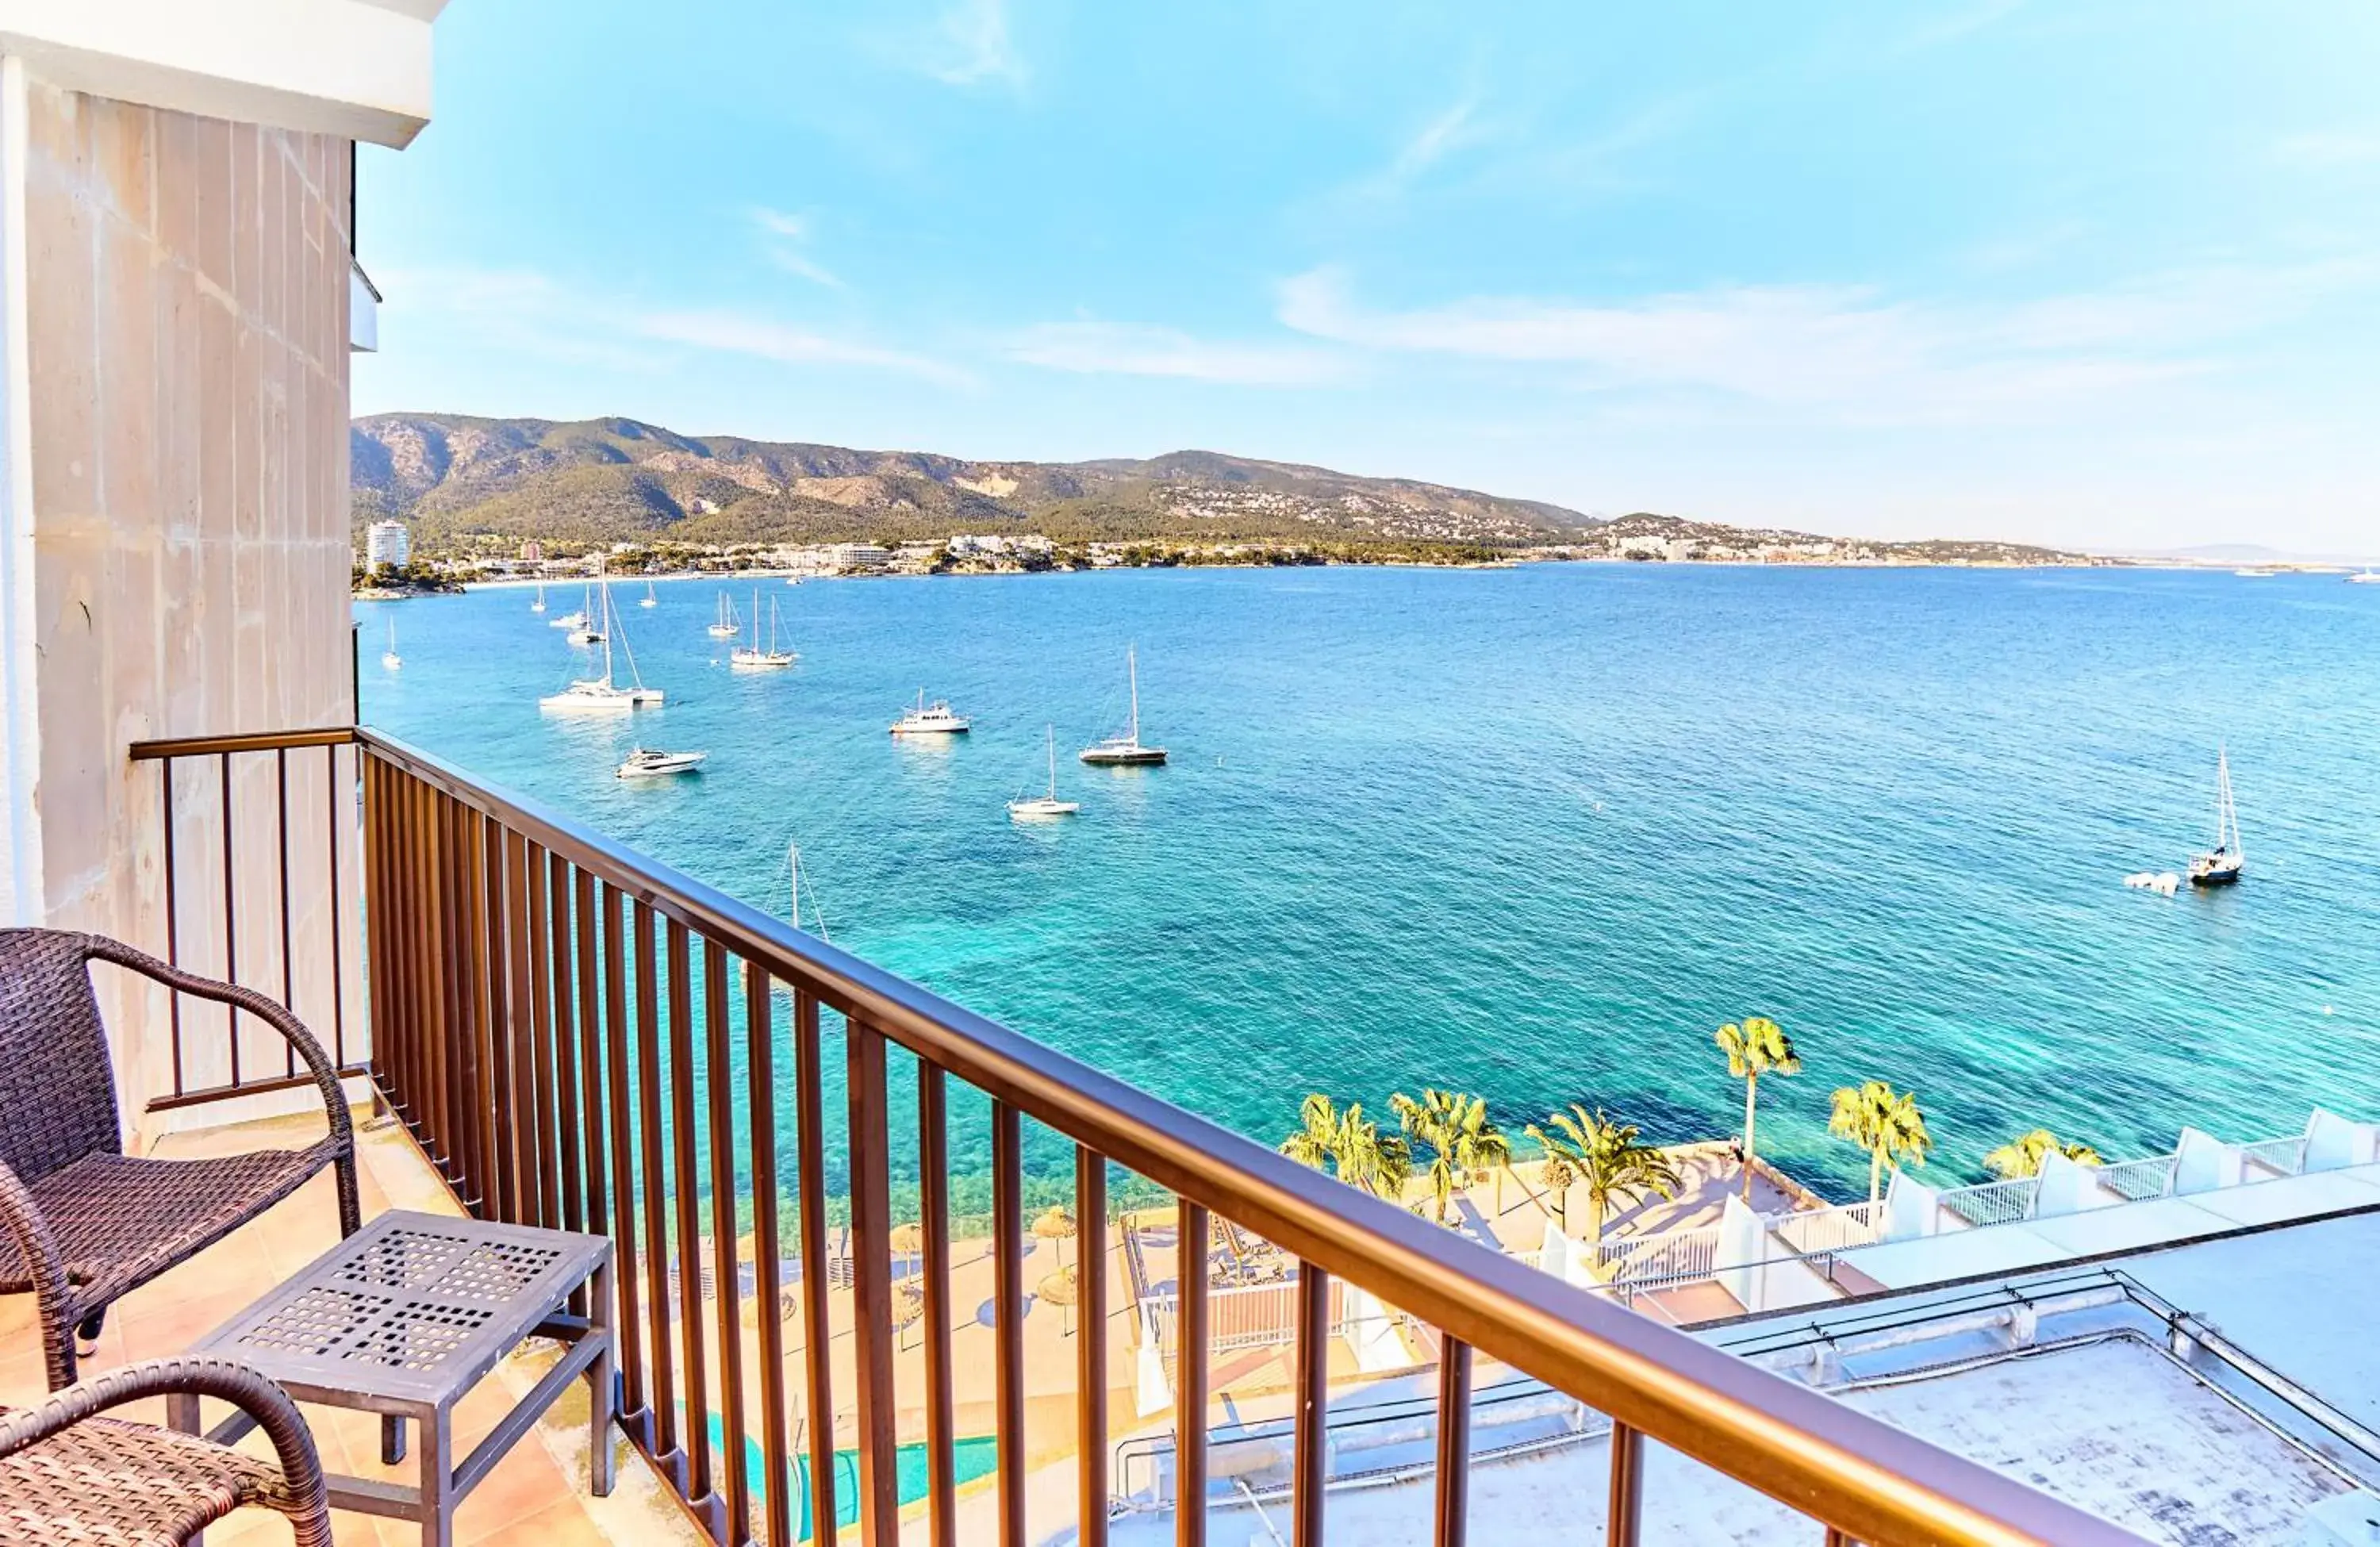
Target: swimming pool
<point>971,1458</point>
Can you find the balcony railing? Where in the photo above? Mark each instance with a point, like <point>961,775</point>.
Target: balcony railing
<point>580,1037</point>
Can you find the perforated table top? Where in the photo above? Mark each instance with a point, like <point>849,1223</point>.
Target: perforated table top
<point>413,1308</point>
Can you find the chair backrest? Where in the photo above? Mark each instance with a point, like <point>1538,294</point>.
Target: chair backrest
<point>57,1083</point>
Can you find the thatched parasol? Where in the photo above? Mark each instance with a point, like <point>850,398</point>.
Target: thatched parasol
<point>1060,1290</point>
<point>908,1240</point>
<point>1055,1223</point>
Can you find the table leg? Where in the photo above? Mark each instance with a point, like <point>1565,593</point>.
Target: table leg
<point>392,1439</point>
<point>437,1426</point>
<point>599,1381</point>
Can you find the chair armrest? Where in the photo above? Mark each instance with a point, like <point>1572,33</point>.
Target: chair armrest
<point>53,1293</point>
<point>318,1062</point>
<point>292,1444</point>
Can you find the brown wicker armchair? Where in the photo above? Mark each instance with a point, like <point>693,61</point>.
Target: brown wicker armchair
<point>67,1477</point>
<point>82,1223</point>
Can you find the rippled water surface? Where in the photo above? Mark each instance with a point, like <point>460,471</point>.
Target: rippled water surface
<point>1537,832</point>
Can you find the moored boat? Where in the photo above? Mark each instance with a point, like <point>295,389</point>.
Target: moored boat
<point>930,719</point>
<point>1125,750</point>
<point>2223,864</point>
<point>1035,807</point>
<point>650,763</point>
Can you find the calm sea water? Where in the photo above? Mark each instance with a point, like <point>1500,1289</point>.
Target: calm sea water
<point>1535,832</point>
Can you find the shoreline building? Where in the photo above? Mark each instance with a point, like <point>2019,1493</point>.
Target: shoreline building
<point>387,544</point>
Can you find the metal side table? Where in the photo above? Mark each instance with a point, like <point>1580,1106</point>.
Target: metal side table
<point>405,1317</point>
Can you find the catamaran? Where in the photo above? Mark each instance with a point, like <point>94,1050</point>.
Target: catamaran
<point>599,695</point>
<point>751,657</point>
<point>389,657</point>
<point>1033,808</point>
<point>725,629</point>
<point>538,605</point>
<point>648,762</point>
<point>2221,866</point>
<point>1125,750</point>
<point>934,719</point>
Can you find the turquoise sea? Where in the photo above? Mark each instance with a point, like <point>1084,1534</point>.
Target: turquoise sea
<point>1536,831</point>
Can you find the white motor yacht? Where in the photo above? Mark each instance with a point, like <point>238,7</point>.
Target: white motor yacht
<point>648,762</point>
<point>934,719</point>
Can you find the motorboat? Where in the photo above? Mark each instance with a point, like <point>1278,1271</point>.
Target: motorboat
<point>930,719</point>
<point>648,762</point>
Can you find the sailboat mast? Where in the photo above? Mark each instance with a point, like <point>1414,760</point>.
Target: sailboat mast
<point>1052,731</point>
<point>1132,675</point>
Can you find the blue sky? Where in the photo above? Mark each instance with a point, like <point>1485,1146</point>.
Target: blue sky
<point>2089,272</point>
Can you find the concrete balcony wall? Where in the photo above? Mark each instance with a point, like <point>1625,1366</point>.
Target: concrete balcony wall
<point>188,295</point>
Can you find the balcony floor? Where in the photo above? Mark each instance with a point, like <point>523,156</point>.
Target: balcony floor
<point>535,1497</point>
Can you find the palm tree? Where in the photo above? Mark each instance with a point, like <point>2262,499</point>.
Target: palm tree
<point>1606,1156</point>
<point>1464,1142</point>
<point>1757,1047</point>
<point>1350,1145</point>
<point>1883,1122</point>
<point>2022,1155</point>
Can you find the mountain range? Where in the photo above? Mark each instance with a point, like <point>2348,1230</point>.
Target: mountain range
<point>458,478</point>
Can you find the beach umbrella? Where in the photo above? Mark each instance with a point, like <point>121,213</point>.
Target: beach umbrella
<point>908,1307</point>
<point>1055,1223</point>
<point>1059,1290</point>
<point>908,1240</point>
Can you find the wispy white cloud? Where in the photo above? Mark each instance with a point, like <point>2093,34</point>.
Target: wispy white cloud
<point>783,237</point>
<point>738,333</point>
<point>2329,148</point>
<point>971,44</point>
<point>1122,349</point>
<point>1849,354</point>
<point>529,312</point>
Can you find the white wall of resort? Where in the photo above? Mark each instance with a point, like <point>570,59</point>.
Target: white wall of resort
<point>174,287</point>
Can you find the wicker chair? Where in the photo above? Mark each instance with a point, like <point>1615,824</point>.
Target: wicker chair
<point>88,1223</point>
<point>68,1478</point>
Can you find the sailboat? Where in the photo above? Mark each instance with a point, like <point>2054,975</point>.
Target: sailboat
<point>2365,577</point>
<point>818,917</point>
<point>598,695</point>
<point>725,629</point>
<point>389,657</point>
<point>2221,866</point>
<point>751,657</point>
<point>1125,750</point>
<point>1035,807</point>
<point>651,600</point>
<point>935,719</point>
<point>538,605</point>
<point>576,622</point>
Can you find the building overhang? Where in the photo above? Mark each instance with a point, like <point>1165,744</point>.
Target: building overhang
<point>360,69</point>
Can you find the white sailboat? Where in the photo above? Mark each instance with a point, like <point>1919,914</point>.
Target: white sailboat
<point>2367,575</point>
<point>599,695</point>
<point>818,916</point>
<point>1125,750</point>
<point>725,629</point>
<point>651,600</point>
<point>751,657</point>
<point>389,657</point>
<point>1034,808</point>
<point>576,622</point>
<point>935,719</point>
<point>2221,865</point>
<point>648,762</point>
<point>538,605</point>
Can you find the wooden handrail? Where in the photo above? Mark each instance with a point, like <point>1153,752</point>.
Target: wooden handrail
<point>1859,1476</point>
<point>252,741</point>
